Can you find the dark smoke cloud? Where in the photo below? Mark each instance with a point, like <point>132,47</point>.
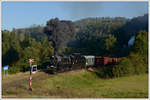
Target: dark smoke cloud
<point>60,33</point>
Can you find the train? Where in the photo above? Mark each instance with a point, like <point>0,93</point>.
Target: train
<point>75,61</point>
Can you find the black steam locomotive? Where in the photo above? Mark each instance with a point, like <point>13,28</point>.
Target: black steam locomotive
<point>65,63</point>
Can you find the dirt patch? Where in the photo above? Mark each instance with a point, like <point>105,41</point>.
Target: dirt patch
<point>21,81</point>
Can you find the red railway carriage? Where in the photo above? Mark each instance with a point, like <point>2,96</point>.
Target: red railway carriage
<point>106,60</point>
<point>115,60</point>
<point>99,61</point>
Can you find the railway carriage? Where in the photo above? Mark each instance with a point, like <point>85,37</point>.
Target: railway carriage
<point>89,61</point>
<point>102,61</point>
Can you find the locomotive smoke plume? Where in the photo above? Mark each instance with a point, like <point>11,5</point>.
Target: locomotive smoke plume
<point>131,41</point>
<point>60,33</point>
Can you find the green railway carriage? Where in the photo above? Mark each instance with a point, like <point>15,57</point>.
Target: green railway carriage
<point>89,61</point>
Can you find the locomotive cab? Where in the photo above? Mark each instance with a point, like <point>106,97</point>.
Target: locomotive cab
<point>54,63</point>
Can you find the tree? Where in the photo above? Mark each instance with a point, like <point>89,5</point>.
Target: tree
<point>141,43</point>
<point>110,44</point>
<point>21,37</point>
<point>139,50</point>
<point>46,50</point>
<point>5,42</point>
<point>11,49</point>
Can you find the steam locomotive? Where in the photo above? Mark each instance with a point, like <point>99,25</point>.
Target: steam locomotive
<point>75,61</point>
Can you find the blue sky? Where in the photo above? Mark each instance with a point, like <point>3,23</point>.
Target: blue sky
<point>25,14</point>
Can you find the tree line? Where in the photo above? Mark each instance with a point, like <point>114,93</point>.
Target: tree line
<point>18,49</point>
<point>91,36</point>
<point>136,62</point>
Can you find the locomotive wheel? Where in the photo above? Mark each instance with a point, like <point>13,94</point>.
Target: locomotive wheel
<point>70,68</point>
<point>54,72</point>
<point>63,69</point>
<point>67,68</point>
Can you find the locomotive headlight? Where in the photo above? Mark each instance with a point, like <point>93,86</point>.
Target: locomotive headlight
<point>86,63</point>
<point>52,66</point>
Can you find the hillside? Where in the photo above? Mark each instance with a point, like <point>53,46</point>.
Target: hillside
<point>36,31</point>
<point>125,27</point>
<point>104,23</point>
<point>74,84</point>
<point>131,28</point>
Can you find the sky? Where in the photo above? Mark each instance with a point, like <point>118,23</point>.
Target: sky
<point>26,14</point>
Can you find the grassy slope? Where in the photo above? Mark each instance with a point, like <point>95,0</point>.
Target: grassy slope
<point>79,84</point>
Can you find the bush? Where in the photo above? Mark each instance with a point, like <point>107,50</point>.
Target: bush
<point>13,69</point>
<point>104,72</point>
<point>138,63</point>
<point>123,68</point>
<point>24,67</point>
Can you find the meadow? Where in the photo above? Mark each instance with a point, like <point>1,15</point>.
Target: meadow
<point>74,84</point>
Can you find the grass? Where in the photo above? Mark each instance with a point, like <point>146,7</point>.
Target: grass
<point>79,84</point>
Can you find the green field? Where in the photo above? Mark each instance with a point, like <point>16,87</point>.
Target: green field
<point>74,84</point>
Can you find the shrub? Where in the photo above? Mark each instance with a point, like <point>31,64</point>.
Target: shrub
<point>13,69</point>
<point>123,68</point>
<point>105,72</point>
<point>138,63</point>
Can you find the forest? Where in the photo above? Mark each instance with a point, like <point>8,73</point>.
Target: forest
<point>90,36</point>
